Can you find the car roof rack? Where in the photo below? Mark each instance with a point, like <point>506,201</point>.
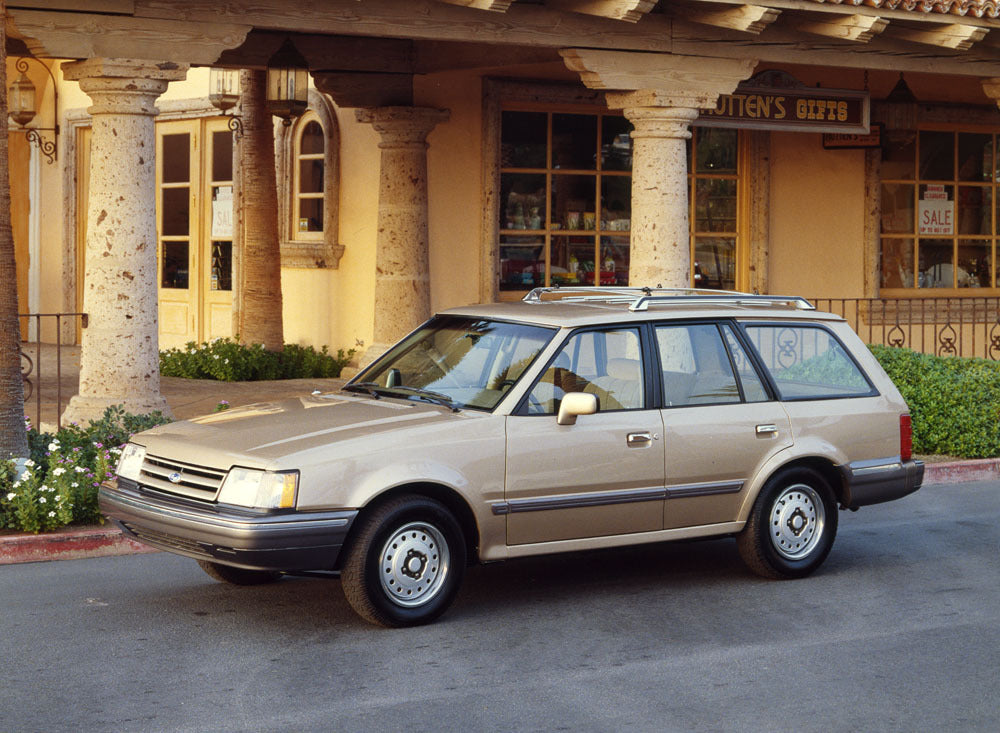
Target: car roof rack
<point>639,299</point>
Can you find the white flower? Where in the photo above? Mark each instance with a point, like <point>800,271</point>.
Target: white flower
<point>29,463</point>
<point>58,497</point>
<point>26,476</point>
<point>75,485</point>
<point>59,471</point>
<point>52,514</point>
<point>11,495</point>
<point>41,500</point>
<point>79,469</point>
<point>16,484</point>
<point>54,446</point>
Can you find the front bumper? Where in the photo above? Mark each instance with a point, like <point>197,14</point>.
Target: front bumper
<point>227,535</point>
<point>873,482</point>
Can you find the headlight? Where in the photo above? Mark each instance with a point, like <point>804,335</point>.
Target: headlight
<point>260,489</point>
<point>130,462</point>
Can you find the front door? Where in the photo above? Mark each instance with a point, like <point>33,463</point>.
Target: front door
<point>194,171</point>
<point>601,476</point>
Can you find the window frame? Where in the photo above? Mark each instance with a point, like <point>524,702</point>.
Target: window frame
<point>325,250</point>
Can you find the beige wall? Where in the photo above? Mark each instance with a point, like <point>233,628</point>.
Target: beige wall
<point>816,222</point>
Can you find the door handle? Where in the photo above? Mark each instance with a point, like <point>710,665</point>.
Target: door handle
<point>767,429</point>
<point>637,440</point>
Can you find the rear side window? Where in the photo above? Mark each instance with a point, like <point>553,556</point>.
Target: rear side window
<point>807,362</point>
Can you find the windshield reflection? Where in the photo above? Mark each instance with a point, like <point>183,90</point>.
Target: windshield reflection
<point>456,361</point>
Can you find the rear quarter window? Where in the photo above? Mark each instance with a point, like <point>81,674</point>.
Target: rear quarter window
<point>807,362</point>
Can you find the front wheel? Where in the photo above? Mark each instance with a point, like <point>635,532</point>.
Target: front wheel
<point>405,564</point>
<point>791,527</point>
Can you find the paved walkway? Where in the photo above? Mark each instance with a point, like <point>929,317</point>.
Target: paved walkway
<point>52,382</point>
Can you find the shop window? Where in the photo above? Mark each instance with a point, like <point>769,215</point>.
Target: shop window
<point>566,200</point>
<point>939,198</point>
<point>714,199</point>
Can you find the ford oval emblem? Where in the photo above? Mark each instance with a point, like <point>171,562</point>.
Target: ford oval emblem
<point>175,478</point>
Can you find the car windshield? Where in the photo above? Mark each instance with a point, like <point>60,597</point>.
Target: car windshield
<point>456,361</point>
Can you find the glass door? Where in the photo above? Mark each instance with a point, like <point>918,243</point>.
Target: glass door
<point>194,222</point>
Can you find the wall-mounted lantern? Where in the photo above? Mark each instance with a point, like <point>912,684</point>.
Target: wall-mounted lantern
<point>22,107</point>
<point>287,83</point>
<point>898,113</point>
<point>224,93</point>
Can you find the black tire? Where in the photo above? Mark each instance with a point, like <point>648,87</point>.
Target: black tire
<point>791,527</point>
<point>404,563</point>
<point>238,576</point>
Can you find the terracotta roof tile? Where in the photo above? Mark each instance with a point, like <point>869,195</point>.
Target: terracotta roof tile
<point>974,8</point>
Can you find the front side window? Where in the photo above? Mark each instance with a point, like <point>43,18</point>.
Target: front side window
<point>939,198</point>
<point>459,361</point>
<point>807,362</point>
<point>607,364</point>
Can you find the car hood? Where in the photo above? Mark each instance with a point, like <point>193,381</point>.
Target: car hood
<point>262,434</point>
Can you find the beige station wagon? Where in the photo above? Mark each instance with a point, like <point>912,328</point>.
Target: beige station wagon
<point>574,420</point>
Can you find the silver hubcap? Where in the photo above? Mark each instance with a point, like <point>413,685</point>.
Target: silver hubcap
<point>413,564</point>
<point>796,522</point>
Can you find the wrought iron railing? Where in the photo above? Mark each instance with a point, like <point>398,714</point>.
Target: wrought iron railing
<point>940,326</point>
<point>42,364</point>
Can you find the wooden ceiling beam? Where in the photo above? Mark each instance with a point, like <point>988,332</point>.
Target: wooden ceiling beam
<point>952,35</point>
<point>744,18</point>
<point>628,10</point>
<point>85,35</point>
<point>496,6</point>
<point>857,28</point>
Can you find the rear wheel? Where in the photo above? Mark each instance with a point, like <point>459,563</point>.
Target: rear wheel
<point>405,564</point>
<point>238,576</point>
<point>791,527</point>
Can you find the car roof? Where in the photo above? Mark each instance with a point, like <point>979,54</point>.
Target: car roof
<point>565,308</point>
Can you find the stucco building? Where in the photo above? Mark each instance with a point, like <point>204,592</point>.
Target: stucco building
<point>457,151</point>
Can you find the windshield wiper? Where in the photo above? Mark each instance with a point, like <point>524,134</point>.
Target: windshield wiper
<point>426,394</point>
<point>368,387</point>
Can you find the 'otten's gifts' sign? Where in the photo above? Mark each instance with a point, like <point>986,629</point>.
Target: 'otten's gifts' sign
<point>777,101</point>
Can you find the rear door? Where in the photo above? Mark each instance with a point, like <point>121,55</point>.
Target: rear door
<point>603,475</point>
<point>720,422</point>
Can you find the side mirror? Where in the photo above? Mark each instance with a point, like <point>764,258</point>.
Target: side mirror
<point>573,404</point>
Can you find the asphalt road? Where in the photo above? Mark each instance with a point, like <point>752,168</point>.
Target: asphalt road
<point>900,630</point>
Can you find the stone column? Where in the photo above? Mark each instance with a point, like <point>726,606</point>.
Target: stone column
<point>661,95</point>
<point>402,273</point>
<point>119,357</point>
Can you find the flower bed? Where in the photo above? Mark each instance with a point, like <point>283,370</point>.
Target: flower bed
<point>58,484</point>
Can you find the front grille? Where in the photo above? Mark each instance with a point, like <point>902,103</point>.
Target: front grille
<point>166,541</point>
<point>196,482</point>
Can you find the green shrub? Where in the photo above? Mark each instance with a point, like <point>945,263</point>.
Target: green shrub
<point>59,483</point>
<point>229,361</point>
<point>954,402</point>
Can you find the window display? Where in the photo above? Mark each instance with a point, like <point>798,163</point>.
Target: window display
<point>938,203</point>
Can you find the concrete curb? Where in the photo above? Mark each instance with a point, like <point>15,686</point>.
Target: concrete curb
<point>76,544</point>
<point>956,472</point>
<point>69,544</point>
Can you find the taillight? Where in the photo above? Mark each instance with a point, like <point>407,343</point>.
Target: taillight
<point>905,438</point>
